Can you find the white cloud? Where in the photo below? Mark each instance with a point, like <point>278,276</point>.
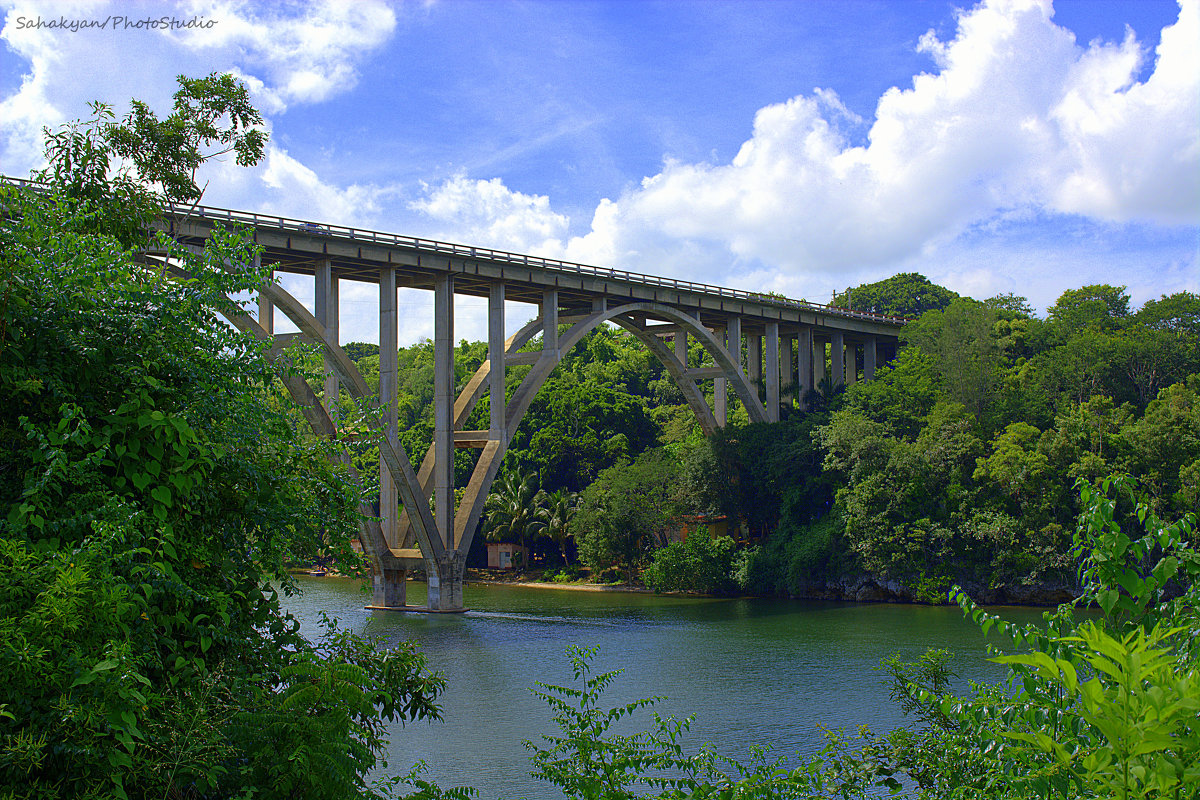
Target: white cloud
<point>305,52</point>
<point>1017,117</point>
<point>287,53</point>
<point>489,214</point>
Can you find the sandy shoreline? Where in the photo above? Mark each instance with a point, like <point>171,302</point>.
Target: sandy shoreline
<point>574,587</point>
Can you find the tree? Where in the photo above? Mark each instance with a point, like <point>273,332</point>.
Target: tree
<point>1098,307</point>
<point>626,511</point>
<point>166,154</point>
<point>555,512</point>
<point>151,491</point>
<point>908,294</point>
<point>512,509</point>
<point>961,341</point>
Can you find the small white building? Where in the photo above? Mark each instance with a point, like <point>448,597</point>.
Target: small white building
<point>506,555</point>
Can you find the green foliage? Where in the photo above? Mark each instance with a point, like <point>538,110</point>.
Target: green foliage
<point>152,489</point>
<point>554,513</point>
<point>587,760</point>
<point>697,564</point>
<point>511,509</point>
<point>627,511</point>
<point>1104,706</point>
<point>905,295</point>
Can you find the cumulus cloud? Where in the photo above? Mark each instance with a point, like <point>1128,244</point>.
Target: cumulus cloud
<point>292,52</point>
<point>1016,117</point>
<point>489,214</point>
<point>287,53</point>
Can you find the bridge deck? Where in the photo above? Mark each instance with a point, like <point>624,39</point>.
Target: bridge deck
<point>296,246</point>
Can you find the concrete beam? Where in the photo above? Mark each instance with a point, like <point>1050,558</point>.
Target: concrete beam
<point>550,324</point>
<point>522,359</point>
<point>720,392</point>
<point>734,329</point>
<point>681,346</point>
<point>787,377</point>
<point>754,358</point>
<point>266,309</point>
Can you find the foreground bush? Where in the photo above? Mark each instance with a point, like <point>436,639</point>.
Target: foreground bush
<point>151,492</point>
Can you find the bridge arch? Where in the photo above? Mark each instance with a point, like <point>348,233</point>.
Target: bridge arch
<point>470,510</point>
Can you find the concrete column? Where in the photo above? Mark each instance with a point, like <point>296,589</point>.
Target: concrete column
<point>444,583</point>
<point>720,396</point>
<point>754,358</point>
<point>496,357</point>
<point>869,356</point>
<point>804,366</point>
<point>266,309</point>
<point>443,407</point>
<point>735,341</point>
<point>772,358</point>
<point>837,355</point>
<point>786,374</point>
<point>550,324</point>
<point>681,347</point>
<point>851,364</point>
<point>327,314</point>
<point>600,304</point>
<point>389,588</point>
<point>388,369</point>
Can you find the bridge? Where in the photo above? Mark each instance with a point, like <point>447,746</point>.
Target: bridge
<point>761,350</point>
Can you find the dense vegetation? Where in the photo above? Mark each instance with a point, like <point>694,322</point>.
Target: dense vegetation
<point>152,490</point>
<point>954,466</point>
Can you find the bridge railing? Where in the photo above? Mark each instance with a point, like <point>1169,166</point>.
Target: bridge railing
<point>215,213</point>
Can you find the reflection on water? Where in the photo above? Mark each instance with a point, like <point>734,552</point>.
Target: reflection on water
<point>751,671</point>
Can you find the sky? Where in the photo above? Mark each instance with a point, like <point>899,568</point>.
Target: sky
<point>803,147</point>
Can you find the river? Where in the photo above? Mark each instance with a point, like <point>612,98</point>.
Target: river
<point>750,670</point>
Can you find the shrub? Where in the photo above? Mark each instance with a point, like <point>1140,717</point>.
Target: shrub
<point>697,564</point>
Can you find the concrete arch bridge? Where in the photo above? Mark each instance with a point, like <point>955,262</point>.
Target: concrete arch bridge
<point>788,345</point>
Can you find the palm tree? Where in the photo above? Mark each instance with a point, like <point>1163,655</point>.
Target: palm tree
<point>511,509</point>
<point>554,515</point>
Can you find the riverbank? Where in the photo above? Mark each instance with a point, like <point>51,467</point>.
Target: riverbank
<point>863,589</point>
<point>532,580</point>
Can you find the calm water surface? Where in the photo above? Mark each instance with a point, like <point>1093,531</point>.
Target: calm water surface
<point>751,671</point>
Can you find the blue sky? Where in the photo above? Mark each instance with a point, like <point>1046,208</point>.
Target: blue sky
<point>802,147</point>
